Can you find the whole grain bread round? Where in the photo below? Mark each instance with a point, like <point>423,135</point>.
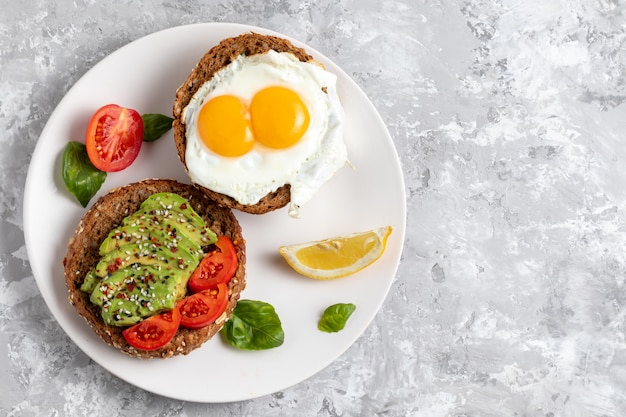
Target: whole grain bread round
<point>106,214</point>
<point>216,58</point>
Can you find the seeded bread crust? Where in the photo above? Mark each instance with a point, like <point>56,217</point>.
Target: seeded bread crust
<point>106,214</point>
<point>216,58</point>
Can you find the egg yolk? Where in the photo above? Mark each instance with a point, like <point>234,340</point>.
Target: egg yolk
<point>278,116</point>
<point>224,127</point>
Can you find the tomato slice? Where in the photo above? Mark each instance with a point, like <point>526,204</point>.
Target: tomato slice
<point>155,331</point>
<point>114,137</point>
<point>216,267</point>
<point>203,308</point>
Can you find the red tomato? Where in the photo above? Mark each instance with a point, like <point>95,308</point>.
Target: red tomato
<point>114,137</point>
<point>154,332</point>
<point>216,267</point>
<point>203,308</point>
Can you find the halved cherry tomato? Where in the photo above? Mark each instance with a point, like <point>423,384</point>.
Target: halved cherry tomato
<point>216,267</point>
<point>203,308</point>
<point>114,137</point>
<point>155,331</point>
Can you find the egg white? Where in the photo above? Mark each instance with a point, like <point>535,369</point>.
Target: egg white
<point>306,166</point>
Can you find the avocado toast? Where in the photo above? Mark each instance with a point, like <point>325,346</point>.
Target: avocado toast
<point>98,240</point>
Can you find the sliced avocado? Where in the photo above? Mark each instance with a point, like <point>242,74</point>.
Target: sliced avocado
<point>172,220</point>
<point>162,217</point>
<point>90,282</point>
<point>146,253</point>
<point>172,202</point>
<point>146,262</point>
<point>131,294</point>
<point>139,233</point>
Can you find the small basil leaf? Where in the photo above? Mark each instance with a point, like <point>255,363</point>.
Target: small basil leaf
<point>155,125</point>
<point>335,317</point>
<point>81,178</point>
<point>254,325</point>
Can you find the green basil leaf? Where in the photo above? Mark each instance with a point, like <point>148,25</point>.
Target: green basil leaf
<point>254,325</point>
<point>81,178</point>
<point>155,125</point>
<point>335,317</point>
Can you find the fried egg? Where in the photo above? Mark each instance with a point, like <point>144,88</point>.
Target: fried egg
<point>264,121</point>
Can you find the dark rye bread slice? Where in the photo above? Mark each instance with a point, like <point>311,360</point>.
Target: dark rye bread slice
<point>216,58</point>
<point>106,214</point>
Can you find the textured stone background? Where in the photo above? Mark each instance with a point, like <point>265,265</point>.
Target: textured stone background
<point>510,120</point>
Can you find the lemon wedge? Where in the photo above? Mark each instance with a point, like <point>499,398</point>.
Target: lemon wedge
<point>338,256</point>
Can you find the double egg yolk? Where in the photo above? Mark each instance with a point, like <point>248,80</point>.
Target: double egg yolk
<point>275,117</point>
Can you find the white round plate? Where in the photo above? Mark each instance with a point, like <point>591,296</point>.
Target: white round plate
<point>144,75</point>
